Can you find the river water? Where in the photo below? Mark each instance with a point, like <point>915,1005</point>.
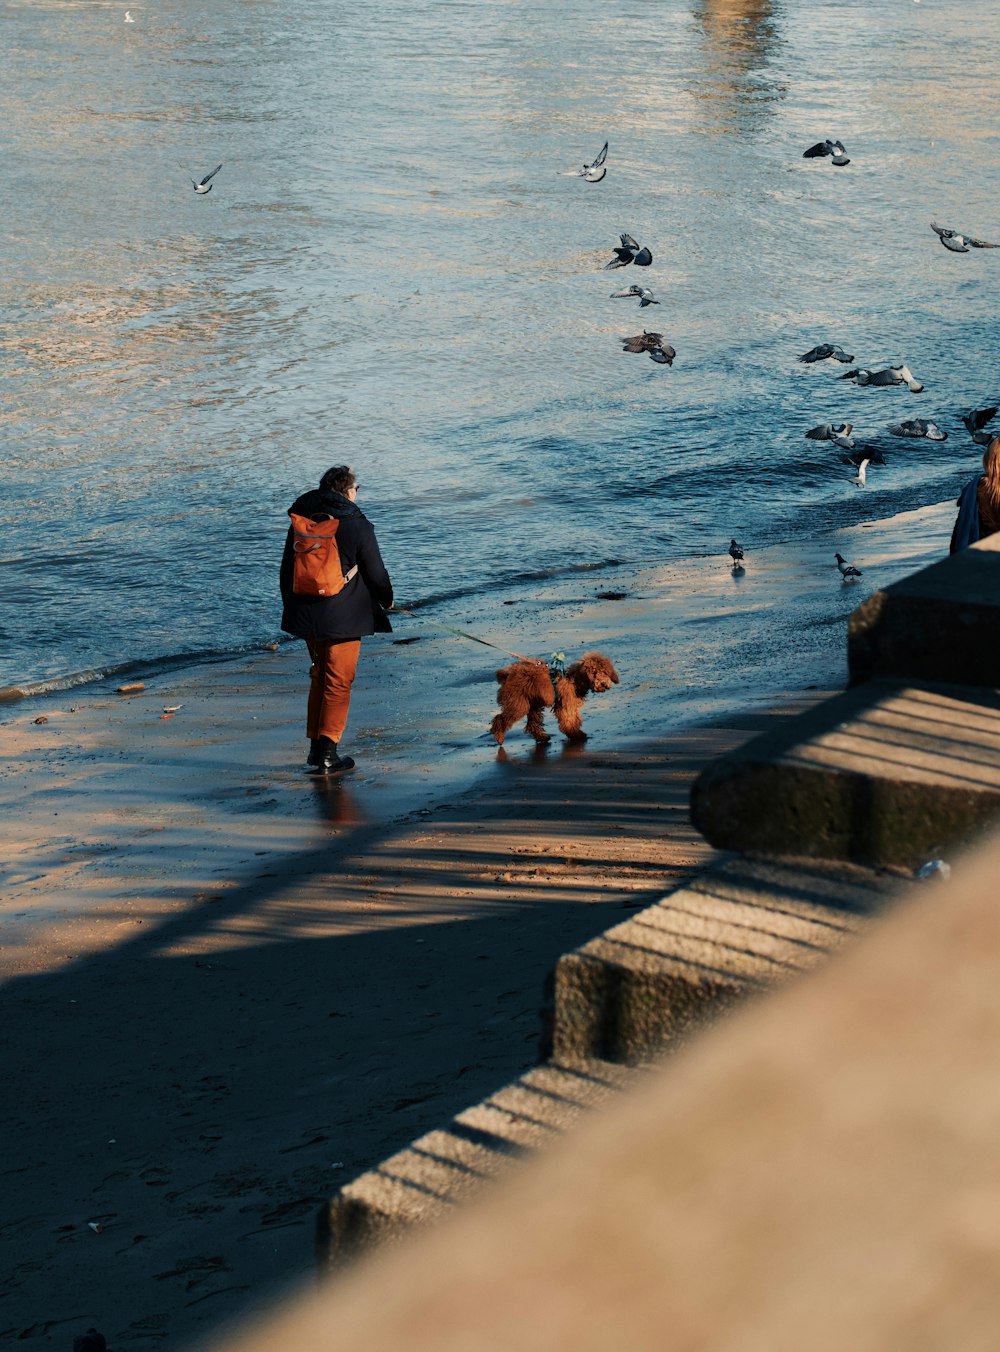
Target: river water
<point>394,270</point>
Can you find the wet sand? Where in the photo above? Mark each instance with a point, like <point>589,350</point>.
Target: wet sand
<point>230,987</point>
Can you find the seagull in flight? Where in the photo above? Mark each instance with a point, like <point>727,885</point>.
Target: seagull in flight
<point>840,434</point>
<point>128,16</point>
<point>629,252</point>
<point>646,296</point>
<point>835,149</point>
<point>892,375</point>
<point>736,554</point>
<point>653,344</point>
<point>847,570</point>
<point>204,185</point>
<point>958,242</point>
<point>975,421</point>
<point>594,171</point>
<point>917,427</point>
<point>859,478</point>
<point>824,351</point>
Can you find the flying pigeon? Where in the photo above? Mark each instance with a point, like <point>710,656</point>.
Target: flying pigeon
<point>594,171</point>
<point>840,434</point>
<point>958,242</point>
<point>975,421</point>
<point>892,375</point>
<point>653,344</point>
<point>629,252</point>
<point>833,148</point>
<point>825,350</point>
<point>643,292</point>
<point>204,185</point>
<point>859,478</point>
<point>867,453</point>
<point>917,427</point>
<point>846,569</point>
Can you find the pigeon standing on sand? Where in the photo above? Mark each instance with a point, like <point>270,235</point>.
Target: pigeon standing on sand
<point>847,570</point>
<point>204,185</point>
<point>646,296</point>
<point>629,252</point>
<point>975,421</point>
<point>835,149</point>
<point>594,171</point>
<point>826,351</point>
<point>736,554</point>
<point>958,242</point>
<point>839,434</point>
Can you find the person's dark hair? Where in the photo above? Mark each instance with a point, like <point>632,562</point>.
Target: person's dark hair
<point>338,480</point>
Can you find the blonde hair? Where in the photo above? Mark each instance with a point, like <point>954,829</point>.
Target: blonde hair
<point>991,467</point>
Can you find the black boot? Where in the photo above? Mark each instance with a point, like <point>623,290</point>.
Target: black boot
<point>314,752</point>
<point>328,760</point>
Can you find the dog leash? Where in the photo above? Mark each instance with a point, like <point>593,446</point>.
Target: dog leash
<point>522,657</point>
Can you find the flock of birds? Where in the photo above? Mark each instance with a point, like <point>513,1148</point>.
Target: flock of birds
<point>630,252</point>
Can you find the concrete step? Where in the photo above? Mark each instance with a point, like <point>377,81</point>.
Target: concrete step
<point>430,1177</point>
<point>619,1001</point>
<point>886,774</point>
<point>941,624</point>
<point>739,928</point>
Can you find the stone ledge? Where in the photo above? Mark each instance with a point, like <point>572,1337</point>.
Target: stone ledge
<point>885,774</point>
<point>739,928</point>
<point>941,624</point>
<point>420,1184</point>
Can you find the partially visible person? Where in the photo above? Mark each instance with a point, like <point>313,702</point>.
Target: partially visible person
<point>333,626</point>
<point>979,503</point>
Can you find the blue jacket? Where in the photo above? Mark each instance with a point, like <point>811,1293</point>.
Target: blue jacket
<point>967,530</point>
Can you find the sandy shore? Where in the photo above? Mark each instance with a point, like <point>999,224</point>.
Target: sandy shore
<point>229,987</point>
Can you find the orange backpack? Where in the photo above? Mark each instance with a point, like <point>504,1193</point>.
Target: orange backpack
<point>316,569</point>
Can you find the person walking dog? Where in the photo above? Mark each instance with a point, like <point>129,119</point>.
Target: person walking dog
<point>334,591</point>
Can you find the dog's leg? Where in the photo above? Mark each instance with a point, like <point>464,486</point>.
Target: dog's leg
<point>535,723</point>
<point>568,718</point>
<point>500,726</point>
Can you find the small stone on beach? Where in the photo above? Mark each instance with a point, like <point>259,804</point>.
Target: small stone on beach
<point>41,719</point>
<point>611,596</point>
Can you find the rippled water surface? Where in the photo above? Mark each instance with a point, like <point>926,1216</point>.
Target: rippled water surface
<point>393,270</point>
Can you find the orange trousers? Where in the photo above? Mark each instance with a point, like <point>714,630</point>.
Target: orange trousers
<point>330,679</point>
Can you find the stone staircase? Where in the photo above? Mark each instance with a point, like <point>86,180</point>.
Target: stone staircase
<point>830,814</point>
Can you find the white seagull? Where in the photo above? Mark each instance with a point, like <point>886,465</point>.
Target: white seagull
<point>859,479</point>
<point>594,171</point>
<point>204,185</point>
<point>847,570</point>
<point>128,16</point>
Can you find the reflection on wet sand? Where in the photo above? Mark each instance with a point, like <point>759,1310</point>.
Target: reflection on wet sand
<point>738,89</point>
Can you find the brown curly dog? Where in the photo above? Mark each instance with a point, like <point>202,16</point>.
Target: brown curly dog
<point>526,688</point>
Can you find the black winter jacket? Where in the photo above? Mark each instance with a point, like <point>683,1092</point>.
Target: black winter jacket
<point>360,608</point>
